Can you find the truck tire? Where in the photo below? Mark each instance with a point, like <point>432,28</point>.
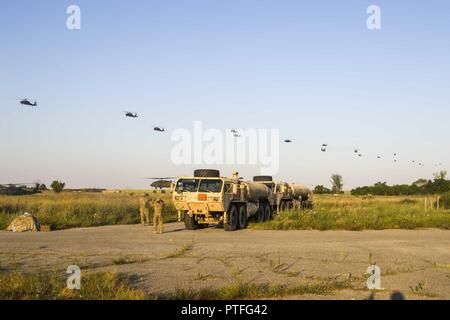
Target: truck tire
<point>267,212</point>
<point>290,205</point>
<point>307,205</point>
<point>243,219</point>
<point>259,216</point>
<point>232,219</point>
<point>262,178</point>
<point>207,173</point>
<point>190,223</point>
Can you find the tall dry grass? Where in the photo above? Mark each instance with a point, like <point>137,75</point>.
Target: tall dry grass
<point>359,213</point>
<point>71,210</point>
<point>52,286</point>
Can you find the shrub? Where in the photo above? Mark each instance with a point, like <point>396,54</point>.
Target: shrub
<point>445,201</point>
<point>408,201</point>
<point>57,186</point>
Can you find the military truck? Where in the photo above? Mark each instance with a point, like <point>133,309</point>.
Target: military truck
<point>206,198</point>
<point>287,196</point>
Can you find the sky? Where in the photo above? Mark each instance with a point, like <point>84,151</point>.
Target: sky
<point>311,69</point>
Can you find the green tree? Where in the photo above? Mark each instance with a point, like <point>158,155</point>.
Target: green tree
<point>57,186</point>
<point>337,183</point>
<point>441,175</point>
<point>320,189</point>
<point>420,183</point>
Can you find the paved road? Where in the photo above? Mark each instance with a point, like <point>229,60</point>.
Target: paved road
<point>214,258</point>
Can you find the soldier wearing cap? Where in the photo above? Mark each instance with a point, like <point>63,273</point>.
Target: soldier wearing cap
<point>144,208</point>
<point>158,223</point>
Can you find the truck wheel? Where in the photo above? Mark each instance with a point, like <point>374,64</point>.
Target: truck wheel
<point>207,173</point>
<point>307,205</point>
<point>290,205</point>
<point>259,217</point>
<point>190,223</point>
<point>243,219</point>
<point>267,213</point>
<point>233,219</point>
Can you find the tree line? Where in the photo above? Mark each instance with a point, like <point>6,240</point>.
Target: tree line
<point>438,185</point>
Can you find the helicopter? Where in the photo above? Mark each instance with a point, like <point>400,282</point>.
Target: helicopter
<point>161,182</point>
<point>130,114</point>
<point>288,141</point>
<point>159,129</point>
<point>17,189</point>
<point>26,102</point>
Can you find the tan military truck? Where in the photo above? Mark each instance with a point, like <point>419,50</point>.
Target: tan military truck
<point>287,196</point>
<point>206,198</point>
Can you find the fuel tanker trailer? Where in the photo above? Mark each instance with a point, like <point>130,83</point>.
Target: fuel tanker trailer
<point>206,198</point>
<point>286,196</point>
<point>302,194</point>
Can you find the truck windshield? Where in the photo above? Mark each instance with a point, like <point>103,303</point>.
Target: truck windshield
<point>270,185</point>
<point>214,186</point>
<point>187,185</point>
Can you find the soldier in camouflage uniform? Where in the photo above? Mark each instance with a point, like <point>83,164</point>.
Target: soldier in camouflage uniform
<point>144,208</point>
<point>158,223</point>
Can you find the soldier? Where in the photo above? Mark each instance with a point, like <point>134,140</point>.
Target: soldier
<point>144,208</point>
<point>158,223</point>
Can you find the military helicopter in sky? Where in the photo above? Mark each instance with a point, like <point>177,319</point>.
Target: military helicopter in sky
<point>130,114</point>
<point>161,182</point>
<point>159,129</point>
<point>288,141</point>
<point>26,102</point>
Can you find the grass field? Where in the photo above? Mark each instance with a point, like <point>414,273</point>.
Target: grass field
<point>111,285</point>
<point>51,286</point>
<point>71,210</point>
<point>359,213</point>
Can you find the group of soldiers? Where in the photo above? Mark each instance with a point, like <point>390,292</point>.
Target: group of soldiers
<point>145,205</point>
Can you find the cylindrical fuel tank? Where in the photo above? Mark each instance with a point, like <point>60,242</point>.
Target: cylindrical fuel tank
<point>256,191</point>
<point>300,191</point>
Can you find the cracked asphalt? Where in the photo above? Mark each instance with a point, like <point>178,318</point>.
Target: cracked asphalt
<point>413,262</point>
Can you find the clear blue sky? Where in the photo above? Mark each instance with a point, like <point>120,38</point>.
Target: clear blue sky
<point>310,68</point>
